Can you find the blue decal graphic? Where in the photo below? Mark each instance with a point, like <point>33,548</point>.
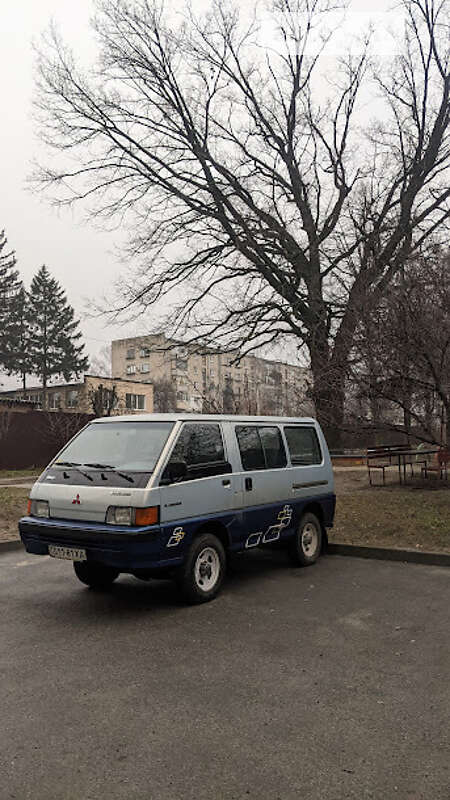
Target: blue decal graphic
<point>177,535</point>
<point>274,531</point>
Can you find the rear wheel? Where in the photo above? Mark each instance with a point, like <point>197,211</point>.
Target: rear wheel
<point>306,545</point>
<point>201,576</point>
<point>97,576</point>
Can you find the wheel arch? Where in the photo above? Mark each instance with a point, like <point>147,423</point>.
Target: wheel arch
<point>217,528</point>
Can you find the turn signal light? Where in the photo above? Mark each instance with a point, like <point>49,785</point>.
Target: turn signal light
<point>147,516</point>
<point>29,507</point>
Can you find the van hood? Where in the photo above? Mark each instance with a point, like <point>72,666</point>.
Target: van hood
<point>85,503</point>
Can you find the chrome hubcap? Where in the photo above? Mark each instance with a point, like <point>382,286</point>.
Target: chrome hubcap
<point>207,569</point>
<point>310,539</point>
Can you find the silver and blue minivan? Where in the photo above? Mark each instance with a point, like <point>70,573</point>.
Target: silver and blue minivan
<point>173,495</point>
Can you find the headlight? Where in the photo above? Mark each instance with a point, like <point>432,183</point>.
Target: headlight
<point>39,508</point>
<point>125,515</point>
<point>120,515</point>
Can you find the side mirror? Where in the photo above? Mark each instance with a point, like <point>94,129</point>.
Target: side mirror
<point>174,472</point>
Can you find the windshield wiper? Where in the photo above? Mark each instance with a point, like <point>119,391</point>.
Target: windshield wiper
<point>110,467</point>
<point>99,466</point>
<point>75,466</point>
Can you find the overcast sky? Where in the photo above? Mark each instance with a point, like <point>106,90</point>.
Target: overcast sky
<point>79,257</point>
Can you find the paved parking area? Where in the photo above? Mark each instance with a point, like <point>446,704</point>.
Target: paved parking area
<point>324,683</point>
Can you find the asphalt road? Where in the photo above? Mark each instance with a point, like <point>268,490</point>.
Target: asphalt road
<point>324,683</point>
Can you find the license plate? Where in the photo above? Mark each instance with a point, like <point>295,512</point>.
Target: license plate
<point>69,553</point>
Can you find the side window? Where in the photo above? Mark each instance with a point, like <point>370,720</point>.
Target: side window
<point>273,447</point>
<point>260,447</point>
<point>303,445</point>
<point>252,455</point>
<point>201,448</point>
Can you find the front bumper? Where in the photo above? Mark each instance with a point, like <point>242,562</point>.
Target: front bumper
<point>125,548</point>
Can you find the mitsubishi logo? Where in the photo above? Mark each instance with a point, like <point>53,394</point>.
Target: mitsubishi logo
<point>77,500</point>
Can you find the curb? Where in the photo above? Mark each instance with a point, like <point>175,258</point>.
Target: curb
<point>389,554</point>
<point>15,544</point>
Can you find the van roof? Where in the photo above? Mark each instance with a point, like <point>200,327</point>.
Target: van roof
<point>193,417</point>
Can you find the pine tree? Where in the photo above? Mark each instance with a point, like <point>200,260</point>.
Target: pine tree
<point>9,287</point>
<point>55,347</point>
<point>19,360</point>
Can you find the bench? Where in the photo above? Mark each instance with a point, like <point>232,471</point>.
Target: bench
<point>442,459</point>
<point>375,454</point>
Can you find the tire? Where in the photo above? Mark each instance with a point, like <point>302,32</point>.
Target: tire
<point>97,576</point>
<point>305,547</point>
<point>201,576</point>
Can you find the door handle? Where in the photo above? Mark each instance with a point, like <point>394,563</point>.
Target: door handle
<point>248,484</point>
<point>226,482</point>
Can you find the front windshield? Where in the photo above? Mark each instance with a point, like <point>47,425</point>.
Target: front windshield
<point>132,446</point>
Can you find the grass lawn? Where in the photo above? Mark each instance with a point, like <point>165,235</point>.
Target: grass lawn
<point>13,504</point>
<point>19,473</point>
<point>415,516</point>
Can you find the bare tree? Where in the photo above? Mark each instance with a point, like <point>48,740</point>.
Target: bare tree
<point>60,427</point>
<point>271,208</point>
<point>103,400</point>
<point>164,396</point>
<point>401,360</point>
<point>100,364</point>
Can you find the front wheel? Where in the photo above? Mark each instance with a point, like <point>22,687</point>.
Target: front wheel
<point>97,576</point>
<point>200,577</point>
<point>305,546</point>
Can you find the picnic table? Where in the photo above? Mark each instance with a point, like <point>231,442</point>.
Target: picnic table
<point>402,454</point>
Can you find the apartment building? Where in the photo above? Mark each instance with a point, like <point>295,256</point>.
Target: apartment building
<point>211,382</point>
<point>133,397</point>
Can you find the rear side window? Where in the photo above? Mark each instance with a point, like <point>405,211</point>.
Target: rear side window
<point>303,445</point>
<point>201,447</point>
<point>260,447</point>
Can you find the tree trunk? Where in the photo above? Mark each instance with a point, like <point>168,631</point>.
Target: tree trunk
<point>329,405</point>
<point>328,393</point>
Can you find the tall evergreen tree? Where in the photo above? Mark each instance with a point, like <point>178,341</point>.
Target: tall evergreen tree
<point>9,287</point>
<point>55,347</point>
<point>19,360</point>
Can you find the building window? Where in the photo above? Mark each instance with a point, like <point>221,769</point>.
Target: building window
<point>181,363</point>
<point>131,353</point>
<point>131,369</point>
<point>144,352</point>
<point>72,399</point>
<point>145,367</point>
<point>54,400</point>
<point>135,401</point>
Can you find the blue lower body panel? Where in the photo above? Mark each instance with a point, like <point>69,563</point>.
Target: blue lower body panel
<point>164,546</point>
<point>125,549</point>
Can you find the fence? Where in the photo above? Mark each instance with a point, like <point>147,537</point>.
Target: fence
<point>32,439</point>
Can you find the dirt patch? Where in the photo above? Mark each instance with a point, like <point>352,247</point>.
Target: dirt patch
<point>13,505</point>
